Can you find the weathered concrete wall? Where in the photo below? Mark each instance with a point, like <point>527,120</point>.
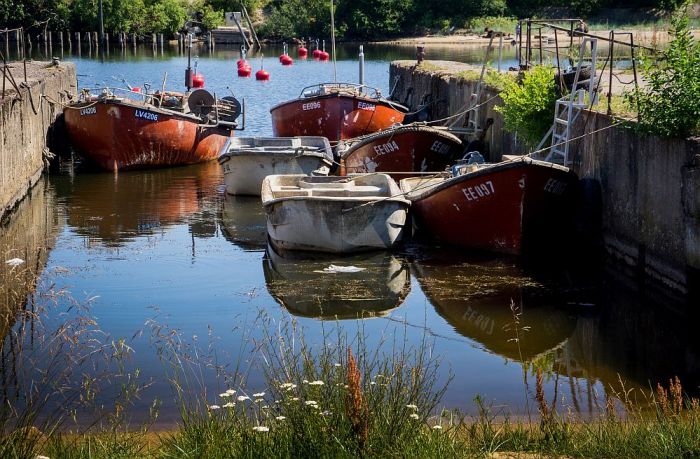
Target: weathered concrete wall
<point>644,190</point>
<point>27,233</point>
<point>25,120</point>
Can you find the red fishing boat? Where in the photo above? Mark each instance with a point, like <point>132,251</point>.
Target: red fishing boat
<point>167,129</point>
<point>335,111</point>
<point>401,149</point>
<point>502,207</point>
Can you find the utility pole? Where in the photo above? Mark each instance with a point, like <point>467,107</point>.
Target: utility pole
<point>102,24</point>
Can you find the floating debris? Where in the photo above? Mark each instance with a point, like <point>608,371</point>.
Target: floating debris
<point>334,269</point>
<point>15,262</point>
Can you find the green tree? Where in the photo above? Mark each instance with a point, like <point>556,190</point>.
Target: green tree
<point>528,107</point>
<point>167,16</point>
<point>669,105</point>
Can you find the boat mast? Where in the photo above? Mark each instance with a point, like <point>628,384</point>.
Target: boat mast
<point>335,72</point>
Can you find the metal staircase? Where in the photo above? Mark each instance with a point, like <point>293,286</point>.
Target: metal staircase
<point>568,108</point>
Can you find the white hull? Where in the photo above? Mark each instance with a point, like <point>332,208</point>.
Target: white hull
<point>333,214</point>
<point>244,174</point>
<point>320,225</point>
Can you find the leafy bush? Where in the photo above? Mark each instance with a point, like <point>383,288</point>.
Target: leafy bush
<point>528,107</point>
<point>669,105</point>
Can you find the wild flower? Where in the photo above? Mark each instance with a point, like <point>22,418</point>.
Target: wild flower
<point>259,394</point>
<point>259,400</point>
<point>414,416</point>
<point>280,418</point>
<point>316,383</point>
<point>261,429</point>
<point>265,407</point>
<point>229,405</point>
<point>412,407</point>
<point>295,399</point>
<point>225,394</point>
<point>437,427</point>
<point>214,407</point>
<point>287,386</point>
<point>242,398</point>
<point>336,364</point>
<point>310,403</point>
<point>372,383</point>
<point>306,381</point>
<point>230,391</point>
<point>325,413</point>
<point>355,405</point>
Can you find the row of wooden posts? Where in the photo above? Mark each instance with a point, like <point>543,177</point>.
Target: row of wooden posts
<point>63,38</point>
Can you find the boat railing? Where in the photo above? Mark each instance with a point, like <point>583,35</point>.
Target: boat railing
<point>325,88</point>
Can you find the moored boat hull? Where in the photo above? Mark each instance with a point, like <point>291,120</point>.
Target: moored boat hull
<point>333,214</point>
<point>402,150</point>
<point>115,135</point>
<point>502,207</point>
<point>335,116</point>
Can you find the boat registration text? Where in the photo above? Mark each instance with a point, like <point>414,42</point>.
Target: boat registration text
<point>146,115</point>
<point>88,111</point>
<point>439,147</point>
<point>476,192</point>
<point>366,106</point>
<point>386,148</point>
<point>311,106</point>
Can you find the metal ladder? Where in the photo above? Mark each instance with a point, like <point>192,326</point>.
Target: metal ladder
<point>569,107</point>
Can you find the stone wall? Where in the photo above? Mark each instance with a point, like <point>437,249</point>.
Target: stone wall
<point>25,121</point>
<point>640,194</point>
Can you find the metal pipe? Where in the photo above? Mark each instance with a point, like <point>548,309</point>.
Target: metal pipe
<point>362,65</point>
<point>610,77</point>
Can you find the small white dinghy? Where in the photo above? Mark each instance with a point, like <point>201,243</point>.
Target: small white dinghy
<point>333,214</point>
<point>246,161</point>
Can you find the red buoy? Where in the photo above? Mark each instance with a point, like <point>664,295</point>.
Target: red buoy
<point>198,80</point>
<point>286,60</point>
<point>303,53</point>
<point>136,89</point>
<point>324,56</point>
<point>242,63</point>
<point>317,54</point>
<point>245,71</point>
<point>262,75</point>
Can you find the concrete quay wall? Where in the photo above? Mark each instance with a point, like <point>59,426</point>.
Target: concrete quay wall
<point>26,118</point>
<point>640,194</point>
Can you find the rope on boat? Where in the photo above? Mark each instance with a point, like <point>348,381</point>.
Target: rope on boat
<point>55,102</point>
<point>466,110</point>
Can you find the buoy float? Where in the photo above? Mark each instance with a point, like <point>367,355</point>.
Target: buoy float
<point>262,75</point>
<point>285,59</point>
<point>198,80</point>
<point>317,52</point>
<point>245,71</point>
<point>242,63</point>
<point>303,53</point>
<point>324,56</point>
<point>136,89</point>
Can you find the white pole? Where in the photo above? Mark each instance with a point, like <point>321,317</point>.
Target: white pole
<point>335,72</point>
<point>362,65</point>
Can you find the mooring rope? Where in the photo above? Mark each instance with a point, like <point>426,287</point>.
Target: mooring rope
<point>466,110</point>
<point>532,153</point>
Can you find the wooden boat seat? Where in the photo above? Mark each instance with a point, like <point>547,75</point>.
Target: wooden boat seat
<point>286,192</point>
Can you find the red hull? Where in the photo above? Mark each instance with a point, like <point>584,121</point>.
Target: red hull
<point>127,135</point>
<point>335,116</point>
<point>499,207</point>
<point>403,150</point>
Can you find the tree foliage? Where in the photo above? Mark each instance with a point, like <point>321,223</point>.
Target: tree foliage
<point>669,105</point>
<point>528,107</point>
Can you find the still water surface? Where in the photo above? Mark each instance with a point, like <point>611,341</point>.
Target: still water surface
<point>169,244</point>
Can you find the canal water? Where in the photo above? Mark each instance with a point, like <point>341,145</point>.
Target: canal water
<point>145,258</point>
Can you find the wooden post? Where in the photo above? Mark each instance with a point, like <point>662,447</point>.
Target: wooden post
<point>133,39</point>
<point>89,37</point>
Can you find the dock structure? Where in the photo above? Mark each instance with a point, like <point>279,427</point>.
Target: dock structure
<point>31,102</point>
<point>640,194</point>
<point>238,29</point>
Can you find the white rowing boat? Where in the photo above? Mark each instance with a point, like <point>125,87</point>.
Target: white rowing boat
<point>334,214</point>
<point>246,161</point>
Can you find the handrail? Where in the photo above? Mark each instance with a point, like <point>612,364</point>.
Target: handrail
<point>377,92</point>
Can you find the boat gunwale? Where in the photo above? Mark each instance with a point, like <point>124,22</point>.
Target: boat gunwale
<point>383,101</point>
<point>358,142</point>
<point>325,153</point>
<point>495,167</point>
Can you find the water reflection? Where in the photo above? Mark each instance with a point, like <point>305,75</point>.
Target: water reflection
<point>494,303</point>
<point>243,222</point>
<point>300,282</point>
<point>114,208</point>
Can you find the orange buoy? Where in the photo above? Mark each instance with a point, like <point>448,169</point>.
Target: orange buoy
<point>303,53</point>
<point>198,80</point>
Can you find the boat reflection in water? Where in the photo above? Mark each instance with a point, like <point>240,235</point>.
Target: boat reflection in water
<point>298,282</point>
<point>475,297</point>
<point>243,222</point>
<point>113,209</point>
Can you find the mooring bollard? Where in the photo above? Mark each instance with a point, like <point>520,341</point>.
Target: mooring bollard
<point>420,53</point>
